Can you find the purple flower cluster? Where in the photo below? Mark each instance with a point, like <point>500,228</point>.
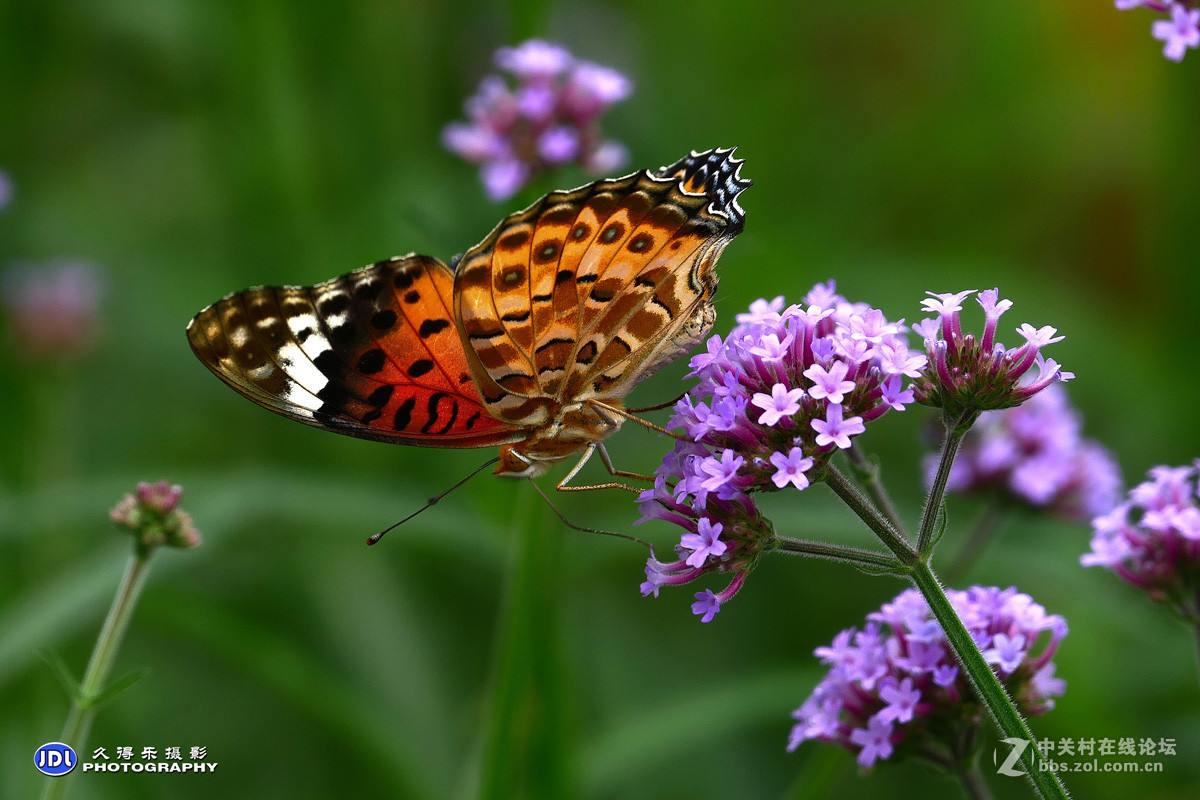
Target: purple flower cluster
<point>894,686</point>
<point>1035,452</point>
<point>966,375</point>
<point>52,310</point>
<point>153,515</point>
<point>549,119</point>
<point>1179,33</point>
<point>777,398</point>
<point>1152,540</point>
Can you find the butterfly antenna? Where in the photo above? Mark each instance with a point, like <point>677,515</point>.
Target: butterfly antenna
<point>658,407</point>
<point>433,500</point>
<point>583,529</point>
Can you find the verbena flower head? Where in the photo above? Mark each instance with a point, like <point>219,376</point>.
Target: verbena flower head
<point>548,119</point>
<point>153,515</point>
<point>895,689</point>
<point>1179,31</point>
<point>1035,454</point>
<point>1152,539</point>
<point>968,374</point>
<point>52,311</point>
<point>784,391</point>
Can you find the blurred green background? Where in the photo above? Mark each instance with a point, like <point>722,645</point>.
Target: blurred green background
<point>195,147</point>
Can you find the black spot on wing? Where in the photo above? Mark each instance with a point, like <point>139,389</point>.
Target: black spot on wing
<point>404,414</point>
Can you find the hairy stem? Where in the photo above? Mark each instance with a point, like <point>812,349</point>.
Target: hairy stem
<point>933,502</point>
<point>986,684</point>
<point>833,552</point>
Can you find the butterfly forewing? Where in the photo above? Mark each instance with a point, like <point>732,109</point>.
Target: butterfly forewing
<point>588,291</point>
<point>373,354</point>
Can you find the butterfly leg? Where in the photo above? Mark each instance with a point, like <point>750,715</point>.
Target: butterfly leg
<point>585,529</point>
<point>620,473</point>
<point>611,412</point>
<point>587,454</point>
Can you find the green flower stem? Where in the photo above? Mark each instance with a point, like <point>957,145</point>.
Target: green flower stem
<point>871,515</point>
<point>83,704</point>
<point>933,502</point>
<point>833,552</point>
<point>986,684</point>
<point>868,475</point>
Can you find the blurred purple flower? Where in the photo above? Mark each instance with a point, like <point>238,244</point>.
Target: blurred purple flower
<point>1034,452</point>
<point>6,190</point>
<point>550,118</point>
<point>52,310</point>
<point>153,515</point>
<point>895,687</point>
<point>1152,540</point>
<point>1180,33</point>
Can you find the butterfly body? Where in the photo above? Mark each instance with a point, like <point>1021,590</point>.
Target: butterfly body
<point>530,342</point>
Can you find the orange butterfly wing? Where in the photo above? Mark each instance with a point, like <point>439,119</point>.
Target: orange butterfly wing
<point>589,291</point>
<point>580,296</point>
<point>373,354</point>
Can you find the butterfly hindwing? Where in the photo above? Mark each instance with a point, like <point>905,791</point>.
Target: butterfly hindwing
<point>373,354</point>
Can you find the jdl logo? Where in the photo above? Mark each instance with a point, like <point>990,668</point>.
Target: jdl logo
<point>55,758</point>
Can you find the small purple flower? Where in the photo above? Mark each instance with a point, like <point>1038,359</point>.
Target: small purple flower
<point>780,404</point>
<point>1180,33</point>
<point>966,375</point>
<point>706,606</point>
<point>901,699</point>
<point>894,689</point>
<point>790,468</point>
<point>1034,453</point>
<point>721,472</point>
<point>705,542</point>
<point>829,384</point>
<point>1152,539</point>
<point>549,119</point>
<point>835,430</point>
<point>875,741</point>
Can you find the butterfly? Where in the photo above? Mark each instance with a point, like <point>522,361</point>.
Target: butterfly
<point>529,341</point>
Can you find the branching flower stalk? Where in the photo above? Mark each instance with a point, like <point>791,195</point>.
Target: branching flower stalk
<point>778,398</point>
<point>153,517</point>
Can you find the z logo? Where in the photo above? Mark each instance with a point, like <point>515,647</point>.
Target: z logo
<point>1018,747</point>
